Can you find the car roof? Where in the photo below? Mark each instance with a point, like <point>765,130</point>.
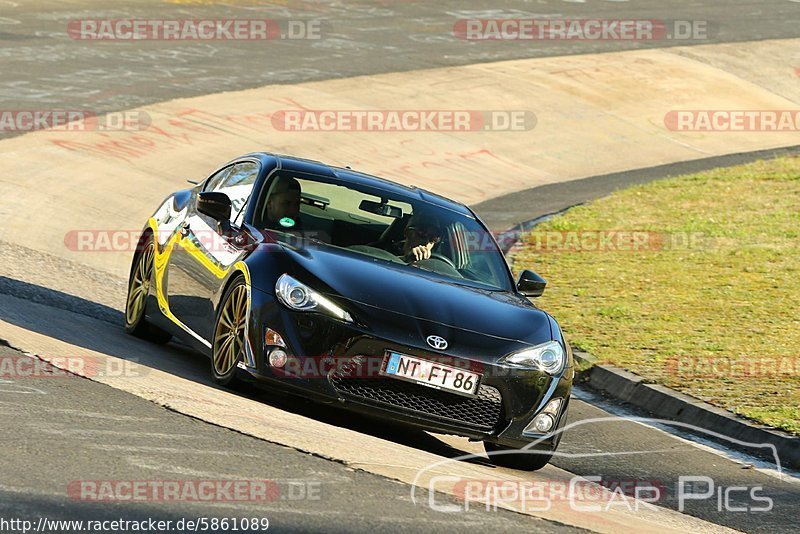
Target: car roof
<point>359,178</point>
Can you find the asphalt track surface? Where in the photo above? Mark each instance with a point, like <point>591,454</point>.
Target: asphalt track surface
<point>88,431</point>
<point>44,67</point>
<point>66,434</point>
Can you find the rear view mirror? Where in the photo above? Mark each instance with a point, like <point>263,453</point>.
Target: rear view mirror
<point>380,208</point>
<point>315,200</point>
<point>215,205</point>
<point>531,284</point>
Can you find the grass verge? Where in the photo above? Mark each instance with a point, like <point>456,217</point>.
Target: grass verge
<point>692,282</point>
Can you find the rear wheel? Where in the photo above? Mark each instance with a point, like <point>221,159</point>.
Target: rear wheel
<point>139,284</point>
<point>523,459</point>
<point>229,334</point>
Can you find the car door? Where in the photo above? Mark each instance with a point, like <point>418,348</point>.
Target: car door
<point>203,256</point>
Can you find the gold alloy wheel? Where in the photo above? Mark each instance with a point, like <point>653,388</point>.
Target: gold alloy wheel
<point>229,336</point>
<point>140,286</point>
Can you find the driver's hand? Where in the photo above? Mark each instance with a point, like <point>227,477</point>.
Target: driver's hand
<point>420,252</point>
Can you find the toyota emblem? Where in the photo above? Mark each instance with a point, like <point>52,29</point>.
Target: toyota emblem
<point>438,343</point>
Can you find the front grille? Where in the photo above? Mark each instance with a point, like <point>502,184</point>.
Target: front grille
<point>481,412</point>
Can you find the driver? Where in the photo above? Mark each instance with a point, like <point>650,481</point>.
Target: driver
<point>422,233</point>
<point>283,204</point>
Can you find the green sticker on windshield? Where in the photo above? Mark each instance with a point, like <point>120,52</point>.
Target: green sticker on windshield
<point>286,222</point>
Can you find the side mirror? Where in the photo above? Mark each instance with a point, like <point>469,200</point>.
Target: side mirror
<point>531,284</point>
<point>215,205</point>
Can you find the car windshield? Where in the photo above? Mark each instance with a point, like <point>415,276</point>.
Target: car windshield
<point>404,232</point>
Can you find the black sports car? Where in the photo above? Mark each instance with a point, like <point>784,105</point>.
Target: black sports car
<point>346,287</point>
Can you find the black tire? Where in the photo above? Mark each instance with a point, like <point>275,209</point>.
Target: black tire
<point>227,347</point>
<point>140,281</point>
<point>528,460</point>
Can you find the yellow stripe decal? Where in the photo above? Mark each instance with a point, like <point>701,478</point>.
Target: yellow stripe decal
<point>162,255</point>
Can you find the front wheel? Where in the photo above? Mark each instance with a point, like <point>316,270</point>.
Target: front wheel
<point>229,334</point>
<point>139,285</point>
<point>522,459</point>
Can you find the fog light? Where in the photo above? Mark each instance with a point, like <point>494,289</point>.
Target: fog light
<point>543,422</point>
<point>278,358</point>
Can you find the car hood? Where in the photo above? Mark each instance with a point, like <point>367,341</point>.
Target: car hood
<point>376,290</point>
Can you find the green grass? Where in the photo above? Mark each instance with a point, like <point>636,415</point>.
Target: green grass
<point>714,295</point>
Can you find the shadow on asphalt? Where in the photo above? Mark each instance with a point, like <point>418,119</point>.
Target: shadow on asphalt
<point>588,450</point>
<point>105,335</point>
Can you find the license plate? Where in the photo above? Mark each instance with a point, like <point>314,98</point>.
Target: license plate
<point>431,374</point>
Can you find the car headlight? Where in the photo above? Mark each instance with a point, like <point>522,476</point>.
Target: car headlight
<point>549,357</point>
<point>300,297</point>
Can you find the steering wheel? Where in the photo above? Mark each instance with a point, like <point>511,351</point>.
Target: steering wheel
<point>443,258</point>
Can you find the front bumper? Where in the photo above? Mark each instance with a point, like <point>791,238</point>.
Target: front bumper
<point>337,362</point>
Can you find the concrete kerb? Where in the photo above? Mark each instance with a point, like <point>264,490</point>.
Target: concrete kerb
<point>666,403</point>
